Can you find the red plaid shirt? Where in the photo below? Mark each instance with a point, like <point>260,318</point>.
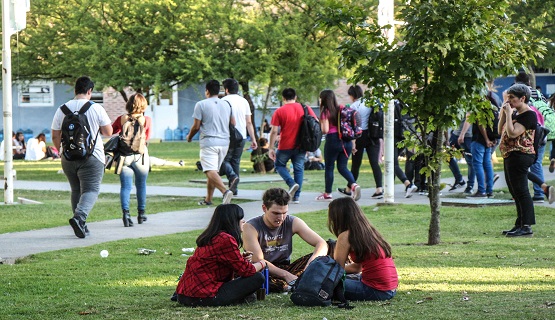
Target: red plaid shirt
<point>213,265</point>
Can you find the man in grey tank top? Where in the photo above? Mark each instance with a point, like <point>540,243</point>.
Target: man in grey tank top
<point>270,237</point>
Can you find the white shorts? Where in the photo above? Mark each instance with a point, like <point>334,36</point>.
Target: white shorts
<point>212,158</point>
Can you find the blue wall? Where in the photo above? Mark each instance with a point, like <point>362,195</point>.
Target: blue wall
<point>541,80</point>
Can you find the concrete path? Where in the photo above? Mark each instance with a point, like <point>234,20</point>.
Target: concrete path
<point>21,244</point>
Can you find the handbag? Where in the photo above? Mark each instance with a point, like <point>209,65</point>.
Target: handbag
<point>235,137</point>
<point>111,145</point>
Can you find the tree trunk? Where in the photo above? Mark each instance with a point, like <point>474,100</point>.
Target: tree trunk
<point>434,188</point>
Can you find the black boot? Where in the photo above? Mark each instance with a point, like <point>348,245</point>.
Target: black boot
<point>127,222</point>
<point>141,217</point>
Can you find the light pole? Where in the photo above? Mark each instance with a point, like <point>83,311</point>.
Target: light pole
<point>386,17</point>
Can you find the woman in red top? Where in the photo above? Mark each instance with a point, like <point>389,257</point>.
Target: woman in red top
<point>209,277</point>
<point>357,238</point>
<point>134,166</point>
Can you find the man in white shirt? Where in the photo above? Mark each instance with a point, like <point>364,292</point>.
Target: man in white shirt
<point>84,175</point>
<point>242,114</point>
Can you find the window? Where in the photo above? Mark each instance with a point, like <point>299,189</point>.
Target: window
<point>36,94</point>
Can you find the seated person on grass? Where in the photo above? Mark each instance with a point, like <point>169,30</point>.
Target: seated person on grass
<point>270,238</point>
<point>217,274</point>
<point>260,157</point>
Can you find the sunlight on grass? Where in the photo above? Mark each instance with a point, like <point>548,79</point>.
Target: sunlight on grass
<point>453,279</point>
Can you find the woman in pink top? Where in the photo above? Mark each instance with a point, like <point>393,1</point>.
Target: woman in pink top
<point>335,150</point>
<point>375,273</point>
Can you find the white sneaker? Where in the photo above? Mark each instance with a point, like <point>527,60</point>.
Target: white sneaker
<point>228,194</point>
<point>355,191</point>
<point>409,190</point>
<point>293,189</point>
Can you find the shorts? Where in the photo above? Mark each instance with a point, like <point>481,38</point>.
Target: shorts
<point>211,158</point>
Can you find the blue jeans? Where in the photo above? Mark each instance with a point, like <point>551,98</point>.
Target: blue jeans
<point>84,178</point>
<point>481,162</point>
<point>338,151</point>
<point>467,151</point>
<point>133,166</point>
<point>537,170</point>
<point>453,165</point>
<point>355,290</point>
<point>297,159</point>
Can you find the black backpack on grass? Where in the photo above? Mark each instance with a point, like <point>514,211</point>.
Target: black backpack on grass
<point>319,283</point>
<point>77,140</point>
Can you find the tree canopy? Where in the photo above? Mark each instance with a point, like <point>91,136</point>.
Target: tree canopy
<point>446,52</point>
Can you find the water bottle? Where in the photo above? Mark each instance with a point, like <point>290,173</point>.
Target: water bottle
<point>266,284</point>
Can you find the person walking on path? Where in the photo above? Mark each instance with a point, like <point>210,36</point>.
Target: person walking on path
<point>212,117</point>
<point>288,118</point>
<point>370,143</point>
<point>336,149</point>
<point>517,126</point>
<point>136,165</point>
<point>85,175</point>
<point>242,113</point>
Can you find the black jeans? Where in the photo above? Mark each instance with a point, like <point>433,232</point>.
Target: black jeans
<point>232,292</point>
<point>516,174</point>
<point>372,147</point>
<point>230,166</point>
<point>399,173</point>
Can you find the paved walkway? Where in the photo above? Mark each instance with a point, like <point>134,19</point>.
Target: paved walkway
<point>21,244</point>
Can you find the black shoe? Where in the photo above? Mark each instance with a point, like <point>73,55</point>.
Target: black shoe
<point>490,195</point>
<point>78,227</point>
<point>127,222</point>
<point>457,185</point>
<point>377,195</point>
<point>525,231</point>
<point>504,232</point>
<point>87,232</point>
<point>478,195</point>
<point>344,191</point>
<point>468,191</point>
<point>538,199</point>
<point>141,217</point>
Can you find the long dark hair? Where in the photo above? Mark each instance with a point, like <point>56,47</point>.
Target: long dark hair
<point>329,105</point>
<point>344,214</point>
<point>226,218</point>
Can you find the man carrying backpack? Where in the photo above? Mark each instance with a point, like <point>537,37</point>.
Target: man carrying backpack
<point>84,169</point>
<point>288,118</point>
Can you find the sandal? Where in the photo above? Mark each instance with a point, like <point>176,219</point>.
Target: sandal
<point>344,191</point>
<point>324,197</point>
<point>204,203</point>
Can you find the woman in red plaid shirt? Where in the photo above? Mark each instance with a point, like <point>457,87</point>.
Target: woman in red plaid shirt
<point>217,274</point>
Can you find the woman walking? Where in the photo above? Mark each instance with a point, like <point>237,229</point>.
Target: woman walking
<point>136,165</point>
<point>335,150</point>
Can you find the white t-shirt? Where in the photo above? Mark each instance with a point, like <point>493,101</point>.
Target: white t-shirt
<point>97,117</point>
<point>363,112</point>
<point>241,110</point>
<point>35,149</point>
<point>214,115</point>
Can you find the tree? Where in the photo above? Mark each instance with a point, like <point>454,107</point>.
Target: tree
<point>446,52</point>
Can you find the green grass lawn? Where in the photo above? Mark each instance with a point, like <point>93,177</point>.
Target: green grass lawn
<point>475,273</point>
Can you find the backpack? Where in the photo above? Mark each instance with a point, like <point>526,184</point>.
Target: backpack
<point>310,132</point>
<point>321,281</point>
<point>493,132</point>
<point>77,142</point>
<point>375,123</point>
<point>132,138</point>
<point>548,116</point>
<point>540,138</point>
<point>348,126</point>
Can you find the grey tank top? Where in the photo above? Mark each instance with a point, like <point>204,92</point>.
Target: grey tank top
<point>276,244</point>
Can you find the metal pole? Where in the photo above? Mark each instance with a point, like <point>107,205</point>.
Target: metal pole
<point>386,17</point>
<point>7,102</point>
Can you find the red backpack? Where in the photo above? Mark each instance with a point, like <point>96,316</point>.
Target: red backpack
<point>348,124</point>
